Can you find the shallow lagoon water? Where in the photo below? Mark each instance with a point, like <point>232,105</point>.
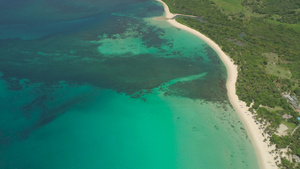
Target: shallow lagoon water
<point>113,88</point>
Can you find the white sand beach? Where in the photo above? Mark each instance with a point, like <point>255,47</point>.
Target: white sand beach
<point>265,158</point>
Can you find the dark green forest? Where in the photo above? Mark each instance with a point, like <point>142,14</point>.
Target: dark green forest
<point>263,39</point>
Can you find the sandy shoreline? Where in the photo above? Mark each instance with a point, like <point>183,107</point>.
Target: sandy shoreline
<point>266,160</point>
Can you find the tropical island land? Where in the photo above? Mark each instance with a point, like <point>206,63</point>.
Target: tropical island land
<point>262,38</point>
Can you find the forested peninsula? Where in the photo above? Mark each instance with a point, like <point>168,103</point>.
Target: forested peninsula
<point>263,39</point>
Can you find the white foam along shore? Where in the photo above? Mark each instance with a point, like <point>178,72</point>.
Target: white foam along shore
<point>265,158</point>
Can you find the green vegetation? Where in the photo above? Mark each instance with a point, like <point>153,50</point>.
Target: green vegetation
<point>273,68</point>
<point>229,5</point>
<point>281,142</point>
<point>296,27</point>
<point>294,146</point>
<point>297,91</point>
<point>290,126</point>
<point>286,163</point>
<point>273,109</point>
<point>262,37</point>
<point>280,10</point>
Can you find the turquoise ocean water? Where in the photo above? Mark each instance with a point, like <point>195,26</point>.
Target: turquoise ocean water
<point>107,84</point>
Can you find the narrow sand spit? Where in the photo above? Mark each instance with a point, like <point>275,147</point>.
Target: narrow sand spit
<point>265,158</point>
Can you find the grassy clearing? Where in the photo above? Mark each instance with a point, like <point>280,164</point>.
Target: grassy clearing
<point>272,57</point>
<point>279,71</point>
<point>249,13</point>
<point>296,27</point>
<point>230,5</point>
<point>290,126</point>
<point>274,69</point>
<point>273,109</point>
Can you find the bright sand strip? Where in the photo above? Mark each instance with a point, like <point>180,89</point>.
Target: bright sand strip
<point>266,160</point>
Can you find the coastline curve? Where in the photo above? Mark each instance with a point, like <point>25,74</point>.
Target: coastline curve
<point>262,148</point>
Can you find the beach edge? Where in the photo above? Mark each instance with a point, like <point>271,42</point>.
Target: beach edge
<point>262,149</point>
